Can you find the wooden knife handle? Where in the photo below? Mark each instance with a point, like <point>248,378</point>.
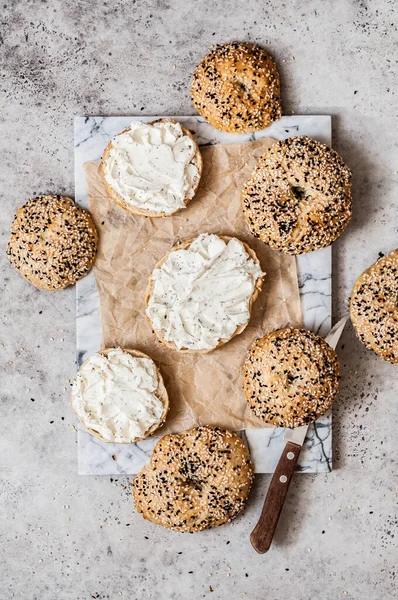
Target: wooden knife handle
<point>262,534</point>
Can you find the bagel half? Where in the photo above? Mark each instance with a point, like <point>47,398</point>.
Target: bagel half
<point>197,161</point>
<point>374,309</point>
<point>257,289</point>
<point>290,377</point>
<point>163,396</point>
<point>236,88</point>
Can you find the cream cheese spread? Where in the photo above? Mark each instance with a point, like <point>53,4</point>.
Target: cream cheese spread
<point>153,167</point>
<point>202,294</point>
<point>115,395</point>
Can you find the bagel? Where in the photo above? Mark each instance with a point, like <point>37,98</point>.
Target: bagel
<point>236,88</point>
<point>298,198</point>
<point>374,308</point>
<point>157,298</point>
<point>172,183</point>
<point>195,480</point>
<point>290,377</point>
<point>53,242</point>
<point>157,399</point>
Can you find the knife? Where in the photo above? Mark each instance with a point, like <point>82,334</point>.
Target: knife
<point>262,534</point>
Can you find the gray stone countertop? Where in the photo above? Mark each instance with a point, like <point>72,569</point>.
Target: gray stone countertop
<point>67,537</point>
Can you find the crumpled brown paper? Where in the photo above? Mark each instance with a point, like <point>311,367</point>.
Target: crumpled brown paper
<point>203,388</point>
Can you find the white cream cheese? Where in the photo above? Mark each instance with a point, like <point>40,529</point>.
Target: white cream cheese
<point>116,395</point>
<point>201,295</point>
<point>152,167</point>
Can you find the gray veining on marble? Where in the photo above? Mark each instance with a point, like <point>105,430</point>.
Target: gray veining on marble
<point>92,135</point>
<point>67,537</point>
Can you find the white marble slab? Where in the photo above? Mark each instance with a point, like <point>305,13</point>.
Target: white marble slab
<point>92,134</point>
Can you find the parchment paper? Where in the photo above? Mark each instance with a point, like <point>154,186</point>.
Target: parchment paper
<point>203,388</point>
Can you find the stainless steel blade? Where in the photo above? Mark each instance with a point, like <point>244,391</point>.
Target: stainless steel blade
<point>297,435</point>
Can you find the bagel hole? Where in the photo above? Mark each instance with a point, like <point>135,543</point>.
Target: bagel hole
<point>299,193</point>
<point>291,379</point>
<point>194,483</point>
<point>241,85</point>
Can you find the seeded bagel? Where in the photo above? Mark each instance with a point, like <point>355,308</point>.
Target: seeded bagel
<point>374,307</point>
<point>195,480</point>
<point>236,88</point>
<point>53,242</point>
<point>290,377</point>
<point>298,198</point>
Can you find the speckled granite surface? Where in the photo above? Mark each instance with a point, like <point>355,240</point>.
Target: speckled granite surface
<point>68,537</point>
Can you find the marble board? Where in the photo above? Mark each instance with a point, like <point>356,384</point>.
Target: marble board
<point>92,134</point>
